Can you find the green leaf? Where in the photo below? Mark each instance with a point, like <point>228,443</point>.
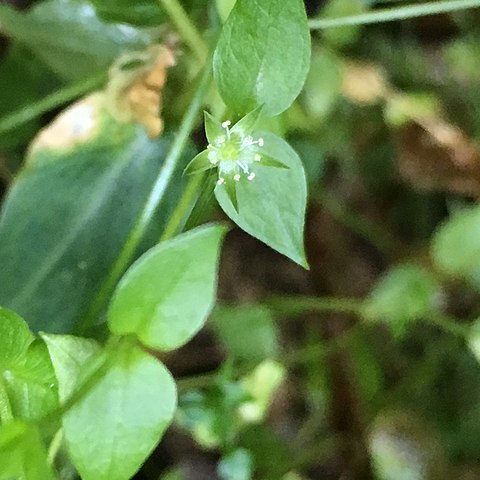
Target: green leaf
<point>265,210</point>
<point>405,294</point>
<point>87,44</point>
<point>31,385</point>
<point>27,80</point>
<point>69,356</point>
<point>22,454</point>
<point>263,55</point>
<point>27,380</point>
<point>69,211</point>
<point>248,331</point>
<point>15,337</point>
<point>113,428</point>
<point>237,465</point>
<point>224,7</point>
<point>456,244</point>
<point>166,296</point>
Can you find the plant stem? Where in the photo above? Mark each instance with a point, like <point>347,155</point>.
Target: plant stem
<point>183,207</point>
<point>186,28</point>
<point>195,381</point>
<point>448,324</point>
<point>300,305</point>
<point>391,14</point>
<point>50,102</point>
<point>54,446</point>
<point>155,197</point>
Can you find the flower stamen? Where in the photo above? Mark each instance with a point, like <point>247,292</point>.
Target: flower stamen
<point>226,124</point>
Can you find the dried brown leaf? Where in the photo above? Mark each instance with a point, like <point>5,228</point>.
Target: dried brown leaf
<point>436,155</point>
<point>136,84</point>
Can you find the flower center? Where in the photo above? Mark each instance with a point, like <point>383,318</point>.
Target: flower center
<point>233,153</point>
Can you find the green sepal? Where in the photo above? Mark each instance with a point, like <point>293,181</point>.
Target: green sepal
<point>213,128</point>
<point>230,187</point>
<point>246,125</point>
<point>267,161</point>
<point>199,164</point>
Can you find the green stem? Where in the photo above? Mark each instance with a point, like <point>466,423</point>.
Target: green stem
<point>155,197</point>
<point>391,14</point>
<point>54,446</point>
<point>301,305</point>
<point>183,207</point>
<point>196,381</point>
<point>60,97</point>
<point>186,28</point>
<point>448,324</point>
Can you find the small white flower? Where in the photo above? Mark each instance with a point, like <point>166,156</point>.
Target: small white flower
<point>233,151</point>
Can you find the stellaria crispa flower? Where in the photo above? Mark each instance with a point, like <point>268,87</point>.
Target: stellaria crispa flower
<point>233,151</point>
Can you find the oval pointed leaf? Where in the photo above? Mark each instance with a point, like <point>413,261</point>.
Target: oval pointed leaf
<point>456,244</point>
<point>113,428</point>
<point>31,385</point>
<point>166,296</point>
<point>404,294</point>
<point>272,206</point>
<point>69,356</point>
<point>263,55</point>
